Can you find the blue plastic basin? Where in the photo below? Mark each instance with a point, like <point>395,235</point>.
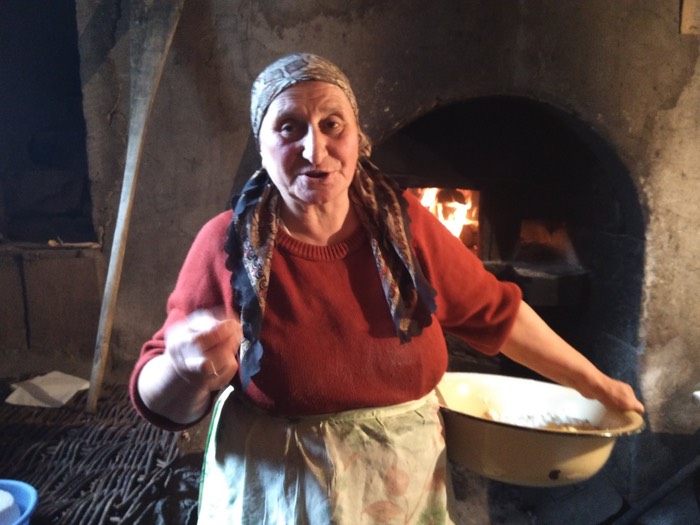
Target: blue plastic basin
<point>26,498</point>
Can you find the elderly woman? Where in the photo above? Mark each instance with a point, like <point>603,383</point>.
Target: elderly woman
<point>317,307</point>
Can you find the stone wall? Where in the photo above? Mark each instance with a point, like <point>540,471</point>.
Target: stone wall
<point>50,308</point>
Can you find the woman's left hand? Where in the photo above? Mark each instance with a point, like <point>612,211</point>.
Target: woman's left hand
<point>612,393</point>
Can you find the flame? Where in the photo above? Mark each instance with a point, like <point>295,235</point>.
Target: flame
<point>455,208</point>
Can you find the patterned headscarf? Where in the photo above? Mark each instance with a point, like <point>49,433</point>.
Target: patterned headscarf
<point>290,70</point>
<point>382,208</point>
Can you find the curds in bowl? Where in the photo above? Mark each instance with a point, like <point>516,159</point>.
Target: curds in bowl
<point>528,432</point>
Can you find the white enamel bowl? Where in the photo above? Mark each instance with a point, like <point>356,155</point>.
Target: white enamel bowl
<point>494,427</point>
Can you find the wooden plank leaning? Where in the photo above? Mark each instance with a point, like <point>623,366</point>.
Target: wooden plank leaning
<point>151,30</point>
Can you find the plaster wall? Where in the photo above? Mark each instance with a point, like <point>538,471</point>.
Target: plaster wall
<point>671,187</point>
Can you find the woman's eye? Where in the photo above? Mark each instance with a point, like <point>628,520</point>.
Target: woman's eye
<point>333,126</point>
<point>290,130</point>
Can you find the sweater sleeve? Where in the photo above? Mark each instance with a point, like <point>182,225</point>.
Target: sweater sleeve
<point>471,303</point>
<point>203,283</point>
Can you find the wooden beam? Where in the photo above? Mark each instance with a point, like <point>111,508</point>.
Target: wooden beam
<point>690,17</point>
<point>151,31</point>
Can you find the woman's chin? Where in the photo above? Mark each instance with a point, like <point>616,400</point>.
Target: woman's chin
<point>321,193</point>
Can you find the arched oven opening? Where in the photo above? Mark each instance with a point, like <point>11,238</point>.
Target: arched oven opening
<point>547,204</point>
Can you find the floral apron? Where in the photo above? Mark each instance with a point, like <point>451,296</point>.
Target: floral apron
<point>369,466</point>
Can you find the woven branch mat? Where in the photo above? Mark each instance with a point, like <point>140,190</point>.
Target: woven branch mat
<point>104,468</point>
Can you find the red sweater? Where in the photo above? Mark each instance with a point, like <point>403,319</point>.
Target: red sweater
<point>328,339</point>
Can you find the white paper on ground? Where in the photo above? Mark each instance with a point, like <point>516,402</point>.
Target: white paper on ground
<point>54,389</point>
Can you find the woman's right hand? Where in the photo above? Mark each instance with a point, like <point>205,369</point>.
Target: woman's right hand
<point>200,357</point>
<point>203,349</point>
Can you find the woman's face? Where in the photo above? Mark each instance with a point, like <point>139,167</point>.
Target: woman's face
<point>309,143</point>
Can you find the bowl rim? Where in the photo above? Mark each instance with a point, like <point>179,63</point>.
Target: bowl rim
<point>635,426</point>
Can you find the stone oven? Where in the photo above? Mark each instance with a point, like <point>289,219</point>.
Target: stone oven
<point>557,213</point>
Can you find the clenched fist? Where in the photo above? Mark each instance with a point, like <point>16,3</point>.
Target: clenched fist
<point>203,349</point>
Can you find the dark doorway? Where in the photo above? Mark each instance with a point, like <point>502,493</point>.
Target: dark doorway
<point>44,183</point>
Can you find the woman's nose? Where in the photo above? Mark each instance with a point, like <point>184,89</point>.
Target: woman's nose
<point>314,146</point>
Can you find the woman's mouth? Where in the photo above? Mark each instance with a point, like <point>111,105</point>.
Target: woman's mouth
<point>316,174</point>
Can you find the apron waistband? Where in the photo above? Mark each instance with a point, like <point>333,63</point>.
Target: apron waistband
<point>345,415</point>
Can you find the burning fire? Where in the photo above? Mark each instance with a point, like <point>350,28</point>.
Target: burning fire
<point>457,209</point>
